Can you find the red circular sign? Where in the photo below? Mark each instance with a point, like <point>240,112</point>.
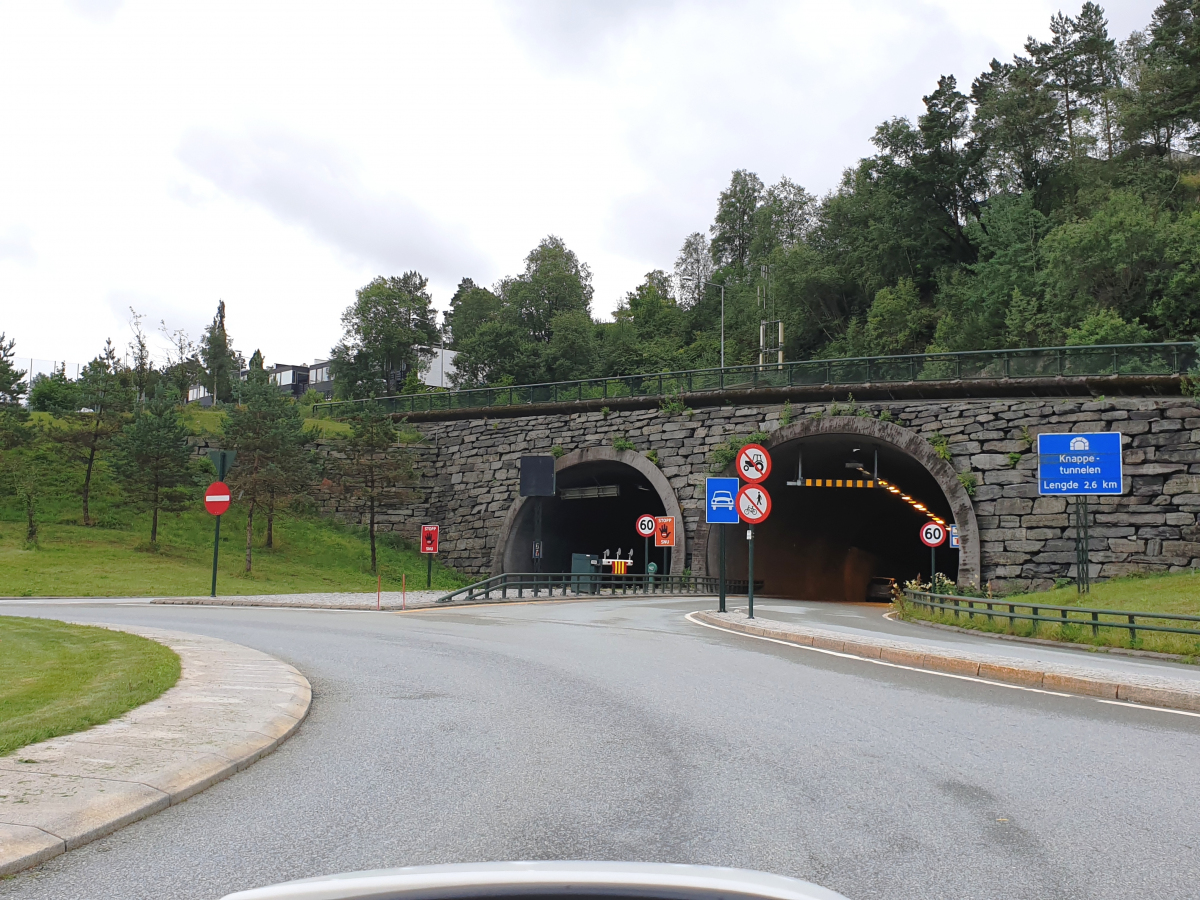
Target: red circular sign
<point>216,498</point>
<point>932,534</point>
<point>753,504</point>
<point>646,526</point>
<point>753,463</point>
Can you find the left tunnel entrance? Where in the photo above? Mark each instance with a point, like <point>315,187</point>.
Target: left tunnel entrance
<point>595,508</point>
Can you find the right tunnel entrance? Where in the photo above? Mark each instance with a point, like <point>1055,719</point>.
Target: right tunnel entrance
<point>828,543</point>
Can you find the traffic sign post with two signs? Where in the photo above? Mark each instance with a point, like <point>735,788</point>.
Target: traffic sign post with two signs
<point>1080,466</point>
<point>753,505</point>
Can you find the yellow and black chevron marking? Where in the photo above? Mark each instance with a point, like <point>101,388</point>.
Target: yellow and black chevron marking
<point>837,482</point>
<point>870,483</point>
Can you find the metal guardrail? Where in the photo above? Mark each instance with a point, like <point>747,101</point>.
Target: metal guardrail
<point>546,585</point>
<point>1010,610</point>
<point>974,365</point>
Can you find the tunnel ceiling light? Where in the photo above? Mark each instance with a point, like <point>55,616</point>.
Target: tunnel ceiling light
<point>590,493</point>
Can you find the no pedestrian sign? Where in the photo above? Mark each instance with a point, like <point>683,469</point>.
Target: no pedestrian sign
<point>753,504</point>
<point>1077,464</point>
<point>216,498</point>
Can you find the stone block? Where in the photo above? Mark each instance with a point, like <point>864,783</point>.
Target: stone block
<point>1013,507</point>
<point>987,461</point>
<point>1049,505</point>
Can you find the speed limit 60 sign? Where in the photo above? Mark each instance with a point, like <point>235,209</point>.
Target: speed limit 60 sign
<point>933,534</point>
<point>646,526</point>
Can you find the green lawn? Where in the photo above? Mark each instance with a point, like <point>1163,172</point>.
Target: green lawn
<point>57,678</point>
<point>310,554</point>
<point>1178,594</point>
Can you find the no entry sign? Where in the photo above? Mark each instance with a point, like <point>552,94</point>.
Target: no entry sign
<point>753,504</point>
<point>216,498</point>
<point>932,534</point>
<point>753,463</point>
<point>646,526</point>
<point>429,538</point>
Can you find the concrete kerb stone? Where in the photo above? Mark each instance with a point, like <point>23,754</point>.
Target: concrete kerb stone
<point>1068,679</point>
<point>231,706</point>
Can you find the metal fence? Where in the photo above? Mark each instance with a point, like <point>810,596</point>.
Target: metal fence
<point>976,365</point>
<point>1037,613</point>
<point>546,585</point>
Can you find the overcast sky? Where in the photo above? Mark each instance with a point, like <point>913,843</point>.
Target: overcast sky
<point>279,155</point>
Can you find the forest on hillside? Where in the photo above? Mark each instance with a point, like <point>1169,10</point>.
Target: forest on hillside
<point>1053,200</point>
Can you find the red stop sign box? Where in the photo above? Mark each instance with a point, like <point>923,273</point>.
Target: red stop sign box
<point>429,538</point>
<point>216,498</point>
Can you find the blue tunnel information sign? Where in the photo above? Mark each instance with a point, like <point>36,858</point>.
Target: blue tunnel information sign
<point>1075,464</point>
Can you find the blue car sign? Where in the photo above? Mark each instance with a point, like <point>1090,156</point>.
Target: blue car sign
<point>719,506</point>
<point>1080,464</point>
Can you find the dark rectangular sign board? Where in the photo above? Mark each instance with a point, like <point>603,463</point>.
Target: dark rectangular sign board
<point>537,476</point>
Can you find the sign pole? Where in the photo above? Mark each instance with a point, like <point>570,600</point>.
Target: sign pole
<point>932,565</point>
<point>721,608</point>
<point>537,529</point>
<point>217,528</point>
<point>646,558</point>
<point>428,570</point>
<point>750,570</point>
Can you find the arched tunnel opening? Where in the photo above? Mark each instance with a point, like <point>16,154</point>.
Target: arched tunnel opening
<point>828,543</point>
<point>595,508</point>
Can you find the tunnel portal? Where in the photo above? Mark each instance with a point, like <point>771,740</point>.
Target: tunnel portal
<point>594,509</point>
<point>827,543</point>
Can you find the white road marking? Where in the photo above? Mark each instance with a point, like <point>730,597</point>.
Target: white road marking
<point>892,665</point>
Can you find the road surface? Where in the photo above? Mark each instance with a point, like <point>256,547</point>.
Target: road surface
<point>619,730</point>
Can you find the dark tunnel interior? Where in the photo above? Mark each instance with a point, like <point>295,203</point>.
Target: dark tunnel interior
<point>822,543</point>
<point>587,524</point>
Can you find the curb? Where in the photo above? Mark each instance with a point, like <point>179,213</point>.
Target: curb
<point>231,706</point>
<point>1145,690</point>
<point>1046,642</point>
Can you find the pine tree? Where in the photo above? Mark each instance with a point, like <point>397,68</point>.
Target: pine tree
<point>373,469</point>
<point>267,431</point>
<point>152,461</point>
<point>106,393</point>
<point>220,363</point>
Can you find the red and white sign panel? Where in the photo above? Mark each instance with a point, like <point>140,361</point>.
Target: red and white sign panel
<point>753,504</point>
<point>429,538</point>
<point>932,534</point>
<point>753,463</point>
<point>646,526</point>
<point>216,498</point>
<point>664,534</point>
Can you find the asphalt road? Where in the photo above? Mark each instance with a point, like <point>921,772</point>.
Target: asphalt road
<point>619,730</point>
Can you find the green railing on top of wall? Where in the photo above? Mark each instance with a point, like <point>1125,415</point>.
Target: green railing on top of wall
<point>975,365</point>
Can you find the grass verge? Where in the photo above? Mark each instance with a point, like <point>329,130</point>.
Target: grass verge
<point>57,679</point>
<point>310,555</point>
<point>1177,594</point>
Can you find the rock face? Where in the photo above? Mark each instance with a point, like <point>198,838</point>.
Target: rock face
<point>469,477</point>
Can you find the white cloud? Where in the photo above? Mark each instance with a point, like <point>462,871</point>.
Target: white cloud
<point>281,154</point>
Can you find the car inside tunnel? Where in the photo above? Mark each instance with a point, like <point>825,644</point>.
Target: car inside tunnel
<point>595,508</point>
<point>828,543</point>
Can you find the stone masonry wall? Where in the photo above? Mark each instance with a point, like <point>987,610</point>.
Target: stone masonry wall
<point>469,476</point>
